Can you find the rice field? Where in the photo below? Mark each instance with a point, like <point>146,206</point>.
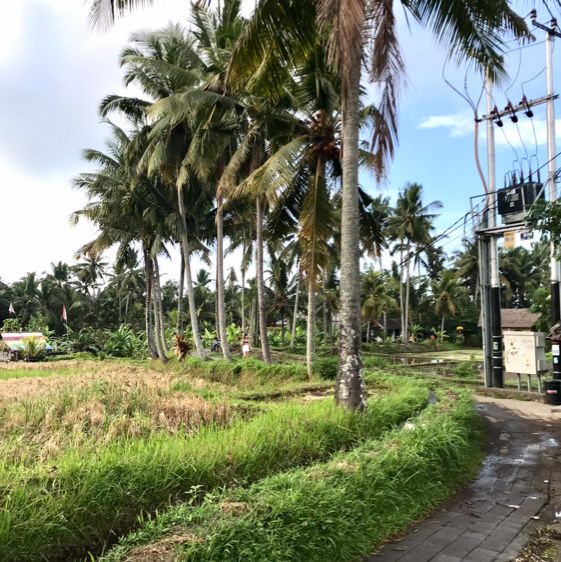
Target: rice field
<point>89,450</point>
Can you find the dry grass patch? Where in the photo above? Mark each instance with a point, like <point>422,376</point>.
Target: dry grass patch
<point>101,412</point>
<point>164,550</point>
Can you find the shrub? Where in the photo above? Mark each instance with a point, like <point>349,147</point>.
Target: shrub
<point>33,348</point>
<point>38,323</point>
<point>123,342</point>
<point>11,325</point>
<point>466,370</point>
<point>326,367</point>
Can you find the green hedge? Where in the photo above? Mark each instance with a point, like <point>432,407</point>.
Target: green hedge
<point>59,512</point>
<point>339,510</point>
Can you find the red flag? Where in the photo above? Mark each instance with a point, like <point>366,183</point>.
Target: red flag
<point>64,315</point>
<point>12,310</point>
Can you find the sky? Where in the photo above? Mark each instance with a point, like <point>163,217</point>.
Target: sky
<point>54,70</point>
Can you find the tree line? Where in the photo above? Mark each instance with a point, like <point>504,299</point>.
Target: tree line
<point>260,126</point>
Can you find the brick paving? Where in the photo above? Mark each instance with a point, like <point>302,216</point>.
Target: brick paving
<point>491,520</point>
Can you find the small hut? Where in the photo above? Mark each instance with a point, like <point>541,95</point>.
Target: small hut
<point>12,344</point>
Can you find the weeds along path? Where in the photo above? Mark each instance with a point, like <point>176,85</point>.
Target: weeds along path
<point>80,463</point>
<point>518,489</point>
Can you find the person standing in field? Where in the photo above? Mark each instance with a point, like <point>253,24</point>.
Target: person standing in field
<point>246,348</point>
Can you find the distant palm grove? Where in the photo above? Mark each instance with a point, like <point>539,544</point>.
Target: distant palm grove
<point>261,145</point>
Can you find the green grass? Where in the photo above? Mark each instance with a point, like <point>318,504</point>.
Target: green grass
<point>60,509</point>
<point>339,510</point>
<point>39,372</point>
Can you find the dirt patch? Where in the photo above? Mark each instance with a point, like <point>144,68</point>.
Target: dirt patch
<point>234,508</point>
<point>544,546</point>
<point>165,550</point>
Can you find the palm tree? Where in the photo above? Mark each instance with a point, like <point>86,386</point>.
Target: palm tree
<point>27,296</point>
<point>377,301</point>
<point>264,56</point>
<point>410,226</point>
<point>470,30</point>
<point>445,290</point>
<point>374,223</point>
<point>164,63</point>
<point>128,208</point>
<point>466,263</point>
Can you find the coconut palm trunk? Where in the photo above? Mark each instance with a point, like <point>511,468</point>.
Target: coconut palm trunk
<point>148,305</point>
<point>186,255</point>
<point>242,305</point>
<point>295,315</point>
<point>160,306</point>
<point>349,387</point>
<point>154,312</point>
<point>406,307</point>
<point>220,304</point>
<point>159,336</point>
<point>180,291</point>
<point>324,310</point>
<point>311,327</point>
<point>261,305</point>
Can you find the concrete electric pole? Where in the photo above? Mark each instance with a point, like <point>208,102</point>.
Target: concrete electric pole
<point>494,304</point>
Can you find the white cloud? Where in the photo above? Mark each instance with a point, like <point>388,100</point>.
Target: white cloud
<point>527,132</point>
<point>458,124</point>
<point>11,29</point>
<point>35,224</point>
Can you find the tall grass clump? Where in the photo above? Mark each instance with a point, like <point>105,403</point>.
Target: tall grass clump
<point>339,510</point>
<point>56,512</point>
<point>244,373</point>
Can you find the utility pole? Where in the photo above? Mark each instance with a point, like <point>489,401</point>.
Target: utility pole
<point>483,251</point>
<point>494,303</point>
<point>551,170</point>
<point>551,32</point>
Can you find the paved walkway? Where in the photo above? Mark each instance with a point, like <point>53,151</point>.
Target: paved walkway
<point>491,520</point>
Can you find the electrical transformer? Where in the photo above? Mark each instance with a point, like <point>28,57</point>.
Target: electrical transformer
<point>515,200</point>
<point>524,352</point>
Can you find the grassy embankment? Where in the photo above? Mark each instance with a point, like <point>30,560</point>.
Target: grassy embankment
<point>336,510</point>
<point>80,463</point>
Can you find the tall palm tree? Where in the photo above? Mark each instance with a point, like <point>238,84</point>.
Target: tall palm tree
<point>410,225</point>
<point>373,235</point>
<point>446,290</point>
<point>466,263</point>
<point>164,63</point>
<point>128,208</point>
<point>362,30</point>
<point>377,301</point>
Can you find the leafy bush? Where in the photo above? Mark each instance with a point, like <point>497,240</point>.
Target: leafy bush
<point>326,367</point>
<point>87,340</point>
<point>38,323</point>
<point>11,325</point>
<point>123,342</point>
<point>234,334</point>
<point>466,370</point>
<point>33,348</point>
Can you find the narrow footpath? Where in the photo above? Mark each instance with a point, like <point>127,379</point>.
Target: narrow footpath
<point>517,490</point>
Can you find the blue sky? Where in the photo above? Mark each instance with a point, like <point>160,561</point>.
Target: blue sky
<point>54,71</point>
